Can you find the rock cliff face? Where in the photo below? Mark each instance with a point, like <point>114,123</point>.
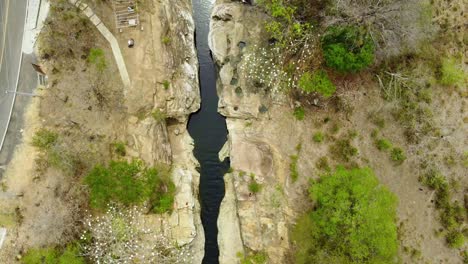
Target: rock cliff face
<point>165,83</point>
<point>249,221</point>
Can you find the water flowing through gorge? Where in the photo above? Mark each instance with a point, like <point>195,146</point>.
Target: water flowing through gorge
<point>208,129</point>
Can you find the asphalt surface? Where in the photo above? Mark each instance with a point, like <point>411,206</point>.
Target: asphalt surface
<point>12,15</point>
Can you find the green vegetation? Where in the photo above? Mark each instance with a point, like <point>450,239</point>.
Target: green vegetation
<point>70,255</point>
<point>293,167</point>
<point>166,40</point>
<point>354,221</point>
<point>398,155</point>
<point>342,150</point>
<point>44,139</point>
<point>347,49</point>
<point>166,84</point>
<point>254,186</point>
<point>451,72</point>
<point>318,137</point>
<point>130,184</point>
<point>53,153</point>
<point>383,144</point>
<point>253,258</point>
<point>299,113</point>
<point>119,148</point>
<point>158,115</point>
<point>97,58</point>
<point>322,164</point>
<point>452,214</point>
<point>317,82</point>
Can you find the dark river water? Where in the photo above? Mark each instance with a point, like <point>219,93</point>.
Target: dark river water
<point>208,129</point>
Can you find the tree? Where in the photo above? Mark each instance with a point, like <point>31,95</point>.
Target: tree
<point>347,49</point>
<point>354,221</point>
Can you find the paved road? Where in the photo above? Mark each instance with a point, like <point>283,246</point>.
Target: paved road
<point>12,15</point>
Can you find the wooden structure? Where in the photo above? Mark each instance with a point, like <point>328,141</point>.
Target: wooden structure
<point>126,13</point>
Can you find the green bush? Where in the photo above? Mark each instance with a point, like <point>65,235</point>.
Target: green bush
<point>44,139</point>
<point>97,58</point>
<point>383,144</point>
<point>70,255</point>
<point>317,82</point>
<point>166,84</point>
<point>451,72</point>
<point>130,184</point>
<point>299,113</point>
<point>347,49</point>
<point>166,40</point>
<point>455,239</point>
<point>318,137</point>
<point>254,186</point>
<point>353,222</point>
<point>398,155</point>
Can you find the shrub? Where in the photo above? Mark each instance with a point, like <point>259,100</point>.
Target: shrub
<point>342,150</point>
<point>293,167</point>
<point>44,139</point>
<point>451,72</point>
<point>299,113</point>
<point>398,155</point>
<point>119,148</point>
<point>97,58</point>
<point>130,184</point>
<point>254,186</point>
<point>383,144</point>
<point>317,82</point>
<point>347,49</point>
<point>69,255</point>
<point>353,222</point>
<point>318,137</point>
<point>166,84</point>
<point>455,239</point>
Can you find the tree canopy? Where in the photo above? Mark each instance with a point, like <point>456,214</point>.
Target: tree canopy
<point>353,222</point>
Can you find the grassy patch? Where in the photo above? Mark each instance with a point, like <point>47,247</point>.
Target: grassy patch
<point>70,255</point>
<point>96,57</point>
<point>130,184</point>
<point>322,164</point>
<point>317,82</point>
<point>166,40</point>
<point>44,139</point>
<point>299,113</point>
<point>253,258</point>
<point>318,137</point>
<point>451,72</point>
<point>293,167</point>
<point>398,156</point>
<point>383,144</point>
